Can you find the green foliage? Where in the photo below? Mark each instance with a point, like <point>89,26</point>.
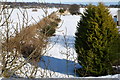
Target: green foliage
<point>96,32</point>
<point>74,9</point>
<point>61,11</point>
<point>115,52</point>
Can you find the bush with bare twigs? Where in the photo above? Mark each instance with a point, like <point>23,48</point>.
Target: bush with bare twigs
<point>29,43</point>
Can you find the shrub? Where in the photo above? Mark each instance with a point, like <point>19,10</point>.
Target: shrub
<point>54,24</point>
<point>115,49</point>
<point>74,9</point>
<point>48,30</point>
<point>6,74</point>
<point>61,11</point>
<point>58,19</point>
<point>96,32</point>
<point>29,38</point>
<point>26,50</point>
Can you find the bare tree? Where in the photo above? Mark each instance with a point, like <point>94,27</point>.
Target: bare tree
<point>23,47</point>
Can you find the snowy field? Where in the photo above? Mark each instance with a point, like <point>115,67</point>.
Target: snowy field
<point>61,59</point>
<point>65,46</point>
<point>24,17</point>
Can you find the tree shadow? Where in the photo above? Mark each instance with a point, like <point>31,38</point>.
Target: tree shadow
<point>58,65</point>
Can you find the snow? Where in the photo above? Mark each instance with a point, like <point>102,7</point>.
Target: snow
<point>82,10</point>
<point>26,16</point>
<point>113,11</point>
<point>107,76</point>
<point>1,78</point>
<point>69,25</point>
<point>61,58</point>
<point>32,16</point>
<point>63,50</point>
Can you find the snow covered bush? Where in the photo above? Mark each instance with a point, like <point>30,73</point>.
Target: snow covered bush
<point>96,32</point>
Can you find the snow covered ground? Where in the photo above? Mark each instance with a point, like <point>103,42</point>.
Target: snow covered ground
<point>113,11</point>
<point>61,59</point>
<point>20,16</point>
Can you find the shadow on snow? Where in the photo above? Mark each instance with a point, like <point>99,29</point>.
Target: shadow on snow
<point>58,65</point>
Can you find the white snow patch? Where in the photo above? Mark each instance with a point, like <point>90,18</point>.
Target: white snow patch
<point>113,11</point>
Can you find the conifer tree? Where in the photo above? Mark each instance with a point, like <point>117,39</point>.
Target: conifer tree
<point>96,32</point>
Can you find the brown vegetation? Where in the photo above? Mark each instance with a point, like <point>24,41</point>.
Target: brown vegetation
<point>31,38</point>
<point>74,9</point>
